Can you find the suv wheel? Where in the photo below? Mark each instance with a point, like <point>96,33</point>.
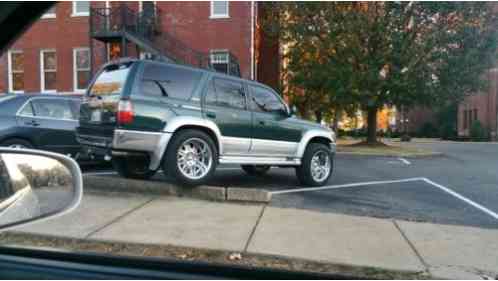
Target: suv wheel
<point>132,167</point>
<point>191,157</point>
<point>316,165</point>
<point>17,143</point>
<point>256,170</point>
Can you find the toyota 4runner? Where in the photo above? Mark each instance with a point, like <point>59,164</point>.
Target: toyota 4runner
<point>147,115</point>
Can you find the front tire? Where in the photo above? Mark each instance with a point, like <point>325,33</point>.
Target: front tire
<point>256,170</point>
<point>316,165</point>
<point>132,167</point>
<point>17,143</point>
<point>191,157</point>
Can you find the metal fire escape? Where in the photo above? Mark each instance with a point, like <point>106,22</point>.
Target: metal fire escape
<point>124,26</point>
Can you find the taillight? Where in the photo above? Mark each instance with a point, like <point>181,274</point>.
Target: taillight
<point>125,112</point>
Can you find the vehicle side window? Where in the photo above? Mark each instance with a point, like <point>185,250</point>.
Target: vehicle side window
<point>53,108</point>
<point>223,92</point>
<point>75,107</point>
<point>176,82</point>
<point>153,88</point>
<point>27,110</point>
<point>262,97</point>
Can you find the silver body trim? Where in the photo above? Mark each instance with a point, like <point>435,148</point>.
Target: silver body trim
<point>261,160</point>
<point>312,134</point>
<point>261,147</point>
<point>235,146</point>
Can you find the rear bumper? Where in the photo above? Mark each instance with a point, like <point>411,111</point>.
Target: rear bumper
<point>128,142</point>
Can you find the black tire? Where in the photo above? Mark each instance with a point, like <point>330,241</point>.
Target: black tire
<point>170,161</point>
<point>256,170</point>
<point>303,172</point>
<point>19,142</point>
<point>132,167</point>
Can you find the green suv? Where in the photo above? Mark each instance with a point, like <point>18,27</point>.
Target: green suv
<point>147,115</point>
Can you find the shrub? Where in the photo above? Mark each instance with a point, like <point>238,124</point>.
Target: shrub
<point>478,132</point>
<point>428,130</point>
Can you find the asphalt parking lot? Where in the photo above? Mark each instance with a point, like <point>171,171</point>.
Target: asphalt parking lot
<point>459,188</point>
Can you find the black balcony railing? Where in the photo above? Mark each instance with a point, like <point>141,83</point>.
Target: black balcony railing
<point>109,22</point>
<point>144,29</point>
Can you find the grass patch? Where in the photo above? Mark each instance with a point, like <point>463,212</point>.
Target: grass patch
<point>380,148</point>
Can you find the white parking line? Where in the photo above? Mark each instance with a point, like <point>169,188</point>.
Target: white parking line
<point>404,161</point>
<point>426,180</point>
<point>463,198</point>
<point>342,186</point>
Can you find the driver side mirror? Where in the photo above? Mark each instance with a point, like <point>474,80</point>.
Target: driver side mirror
<point>292,110</point>
<point>36,185</point>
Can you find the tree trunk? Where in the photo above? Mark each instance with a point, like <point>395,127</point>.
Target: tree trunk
<point>372,125</point>
<point>337,115</point>
<point>318,116</point>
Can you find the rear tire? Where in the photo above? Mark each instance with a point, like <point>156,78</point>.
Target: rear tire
<point>191,157</point>
<point>17,143</point>
<point>314,153</point>
<point>132,167</point>
<point>256,170</point>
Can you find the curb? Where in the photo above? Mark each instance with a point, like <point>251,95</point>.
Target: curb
<point>166,188</point>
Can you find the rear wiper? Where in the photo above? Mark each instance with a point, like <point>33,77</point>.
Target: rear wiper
<point>165,94</point>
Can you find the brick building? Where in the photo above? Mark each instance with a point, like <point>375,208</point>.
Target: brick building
<point>62,49</point>
<point>481,106</point>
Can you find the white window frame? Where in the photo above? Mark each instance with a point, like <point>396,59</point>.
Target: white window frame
<point>75,13</point>
<point>11,72</point>
<point>227,62</point>
<point>219,16</point>
<point>42,71</point>
<point>50,15</point>
<point>75,68</point>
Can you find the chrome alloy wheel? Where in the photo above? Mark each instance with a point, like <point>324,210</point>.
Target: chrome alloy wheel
<point>17,145</point>
<point>320,166</point>
<point>194,158</point>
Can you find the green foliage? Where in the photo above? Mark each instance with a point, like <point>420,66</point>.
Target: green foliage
<point>447,120</point>
<point>478,132</point>
<point>367,55</point>
<point>428,130</point>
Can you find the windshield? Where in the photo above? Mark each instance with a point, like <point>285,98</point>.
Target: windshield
<point>358,138</point>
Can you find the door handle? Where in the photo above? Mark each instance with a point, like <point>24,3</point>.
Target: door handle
<point>32,123</point>
<point>262,122</point>
<point>211,114</point>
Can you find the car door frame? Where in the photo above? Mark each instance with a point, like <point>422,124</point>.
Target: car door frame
<point>69,148</point>
<point>232,145</point>
<point>261,146</point>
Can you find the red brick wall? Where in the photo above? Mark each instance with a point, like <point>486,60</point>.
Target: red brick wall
<point>190,23</point>
<point>62,33</point>
<point>417,117</point>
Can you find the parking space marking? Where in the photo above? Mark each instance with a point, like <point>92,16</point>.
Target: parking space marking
<point>426,180</point>
<point>463,198</point>
<point>404,161</point>
<point>343,186</point>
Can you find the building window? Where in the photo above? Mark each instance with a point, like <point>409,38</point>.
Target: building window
<point>220,60</point>
<point>48,70</point>
<point>16,71</point>
<point>81,68</point>
<point>81,8</point>
<point>219,9</point>
<point>50,13</point>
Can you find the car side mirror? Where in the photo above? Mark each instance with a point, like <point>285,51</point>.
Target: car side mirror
<point>292,110</point>
<point>36,185</point>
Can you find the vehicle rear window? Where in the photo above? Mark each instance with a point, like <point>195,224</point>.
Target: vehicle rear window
<point>111,81</point>
<point>170,81</point>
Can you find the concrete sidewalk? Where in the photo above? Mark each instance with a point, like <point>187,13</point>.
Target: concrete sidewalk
<point>442,250</point>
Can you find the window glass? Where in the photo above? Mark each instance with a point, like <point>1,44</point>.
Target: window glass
<point>16,71</point>
<point>75,107</point>
<point>219,8</point>
<point>152,88</point>
<point>27,110</point>
<point>110,81</point>
<point>262,97</point>
<point>53,108</point>
<point>223,92</point>
<point>177,82</point>
<point>81,7</point>
<point>49,68</point>
<point>82,68</point>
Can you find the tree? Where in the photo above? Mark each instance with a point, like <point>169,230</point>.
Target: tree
<point>372,54</point>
